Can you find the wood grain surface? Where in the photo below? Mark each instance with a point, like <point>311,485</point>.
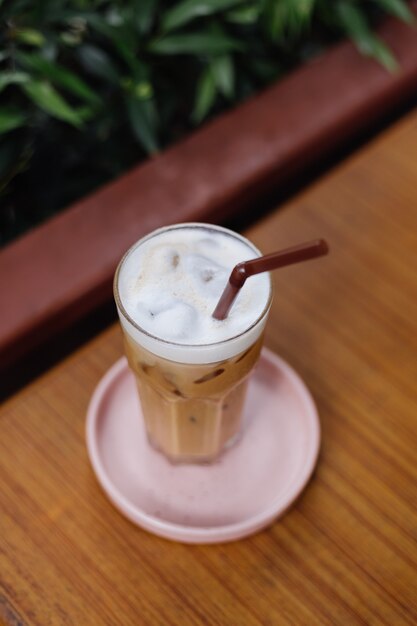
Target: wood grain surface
<point>346,551</point>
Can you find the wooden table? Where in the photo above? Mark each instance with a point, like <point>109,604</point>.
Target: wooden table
<point>346,551</point>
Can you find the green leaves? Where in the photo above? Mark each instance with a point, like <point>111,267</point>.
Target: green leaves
<point>122,37</point>
<point>58,75</point>
<point>142,117</point>
<point>11,118</point>
<point>399,9</point>
<point>49,100</point>
<point>195,43</point>
<point>13,78</point>
<point>245,15</point>
<point>144,14</point>
<point>222,70</point>
<point>287,18</point>
<point>29,36</point>
<point>355,25</point>
<point>98,63</point>
<point>217,77</point>
<point>205,96</point>
<point>184,12</point>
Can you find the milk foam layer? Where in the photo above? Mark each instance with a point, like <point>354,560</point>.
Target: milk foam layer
<point>170,283</point>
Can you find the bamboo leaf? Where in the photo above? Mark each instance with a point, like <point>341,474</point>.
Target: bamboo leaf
<point>399,9</point>
<point>11,118</point>
<point>352,19</point>
<point>86,113</point>
<point>12,78</point>
<point>98,63</point>
<point>124,40</point>
<point>144,14</point>
<point>205,96</point>
<point>30,36</point>
<point>47,98</point>
<point>287,17</point>
<point>195,43</point>
<point>248,14</point>
<point>184,12</point>
<point>222,69</point>
<point>377,49</point>
<point>59,75</point>
<point>142,119</point>
<point>70,39</point>
<point>356,27</point>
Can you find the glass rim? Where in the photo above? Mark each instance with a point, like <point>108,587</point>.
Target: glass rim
<point>183,225</point>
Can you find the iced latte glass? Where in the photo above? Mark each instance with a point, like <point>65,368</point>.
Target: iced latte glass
<point>191,370</point>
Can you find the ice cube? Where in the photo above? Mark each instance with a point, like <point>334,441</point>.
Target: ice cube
<point>166,316</point>
<point>177,321</point>
<point>143,314</point>
<point>208,242</point>
<point>208,276</point>
<point>171,259</point>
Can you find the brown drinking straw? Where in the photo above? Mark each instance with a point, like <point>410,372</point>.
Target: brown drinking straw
<point>242,271</point>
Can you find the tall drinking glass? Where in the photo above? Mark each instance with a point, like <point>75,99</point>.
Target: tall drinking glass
<point>192,394</point>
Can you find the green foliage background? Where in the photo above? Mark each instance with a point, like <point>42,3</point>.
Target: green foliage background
<point>89,87</point>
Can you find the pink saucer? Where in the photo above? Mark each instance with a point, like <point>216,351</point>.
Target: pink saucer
<point>245,490</point>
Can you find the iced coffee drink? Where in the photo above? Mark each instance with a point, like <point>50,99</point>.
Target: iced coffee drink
<point>191,370</point>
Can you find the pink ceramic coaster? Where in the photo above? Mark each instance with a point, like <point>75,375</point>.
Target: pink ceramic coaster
<point>246,489</point>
